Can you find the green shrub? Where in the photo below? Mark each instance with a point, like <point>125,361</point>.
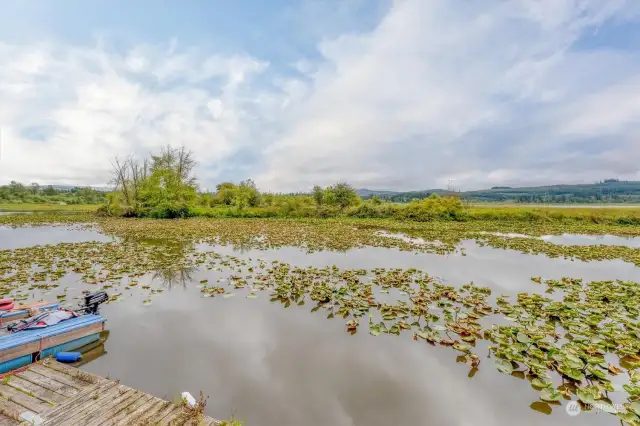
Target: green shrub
<point>327,211</point>
<point>373,209</point>
<point>167,211</point>
<point>628,220</point>
<point>432,208</point>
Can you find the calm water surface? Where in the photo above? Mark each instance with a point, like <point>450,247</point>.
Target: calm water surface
<point>579,240</point>
<point>274,366</point>
<point>593,240</point>
<point>13,238</point>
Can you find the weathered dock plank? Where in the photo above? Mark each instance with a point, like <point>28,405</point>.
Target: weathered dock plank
<point>87,408</point>
<point>59,377</point>
<point>47,383</point>
<point>114,416</point>
<point>112,407</point>
<point>8,422</point>
<point>57,394</point>
<point>135,413</point>
<point>12,411</point>
<point>46,395</point>
<point>27,401</point>
<point>154,407</point>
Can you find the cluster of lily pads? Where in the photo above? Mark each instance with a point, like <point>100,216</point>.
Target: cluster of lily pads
<point>344,234</point>
<point>564,346</point>
<point>584,253</point>
<point>107,265</point>
<point>574,347</point>
<point>589,340</point>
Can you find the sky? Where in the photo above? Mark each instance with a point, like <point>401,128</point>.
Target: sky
<point>383,94</point>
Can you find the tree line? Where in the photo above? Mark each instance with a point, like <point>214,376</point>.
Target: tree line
<point>16,192</point>
<point>605,191</point>
<point>164,186</point>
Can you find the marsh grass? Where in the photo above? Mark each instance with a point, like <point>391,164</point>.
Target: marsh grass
<point>231,422</point>
<point>416,212</point>
<point>191,415</point>
<point>30,207</point>
<point>440,210</point>
<point>605,215</point>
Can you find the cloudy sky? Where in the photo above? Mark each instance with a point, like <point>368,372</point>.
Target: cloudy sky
<point>386,94</point>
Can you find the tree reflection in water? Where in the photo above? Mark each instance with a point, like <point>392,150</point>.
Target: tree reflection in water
<point>175,276</point>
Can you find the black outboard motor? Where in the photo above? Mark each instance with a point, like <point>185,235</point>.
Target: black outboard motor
<point>92,302</point>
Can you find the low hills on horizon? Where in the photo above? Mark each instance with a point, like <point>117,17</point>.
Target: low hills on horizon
<point>606,191</point>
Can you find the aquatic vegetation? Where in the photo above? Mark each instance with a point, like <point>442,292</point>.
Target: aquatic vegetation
<point>53,207</point>
<point>343,235</point>
<point>191,414</point>
<point>312,235</point>
<point>610,215</point>
<point>575,347</point>
<point>45,218</point>
<point>107,265</point>
<point>584,253</point>
<point>232,422</point>
<point>574,341</point>
<point>565,348</point>
<point>585,339</point>
<point>435,312</point>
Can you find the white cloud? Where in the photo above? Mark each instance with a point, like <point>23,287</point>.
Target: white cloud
<point>611,111</point>
<point>66,110</point>
<point>477,93</point>
<point>456,90</point>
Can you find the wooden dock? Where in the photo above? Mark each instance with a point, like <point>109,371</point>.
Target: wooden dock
<point>51,393</point>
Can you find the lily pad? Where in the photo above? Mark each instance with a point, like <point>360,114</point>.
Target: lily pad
<point>550,395</point>
<point>504,366</point>
<point>541,407</point>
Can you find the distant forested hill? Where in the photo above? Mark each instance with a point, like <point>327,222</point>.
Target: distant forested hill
<point>17,193</point>
<point>607,191</point>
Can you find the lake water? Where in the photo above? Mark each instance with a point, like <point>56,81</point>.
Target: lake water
<point>274,366</point>
<point>13,238</point>
<point>593,240</point>
<point>578,240</point>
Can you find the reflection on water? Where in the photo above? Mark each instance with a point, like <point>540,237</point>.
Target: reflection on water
<point>93,350</point>
<point>578,240</point>
<point>13,238</point>
<point>276,366</point>
<point>505,271</point>
<point>174,278</point>
<point>593,240</point>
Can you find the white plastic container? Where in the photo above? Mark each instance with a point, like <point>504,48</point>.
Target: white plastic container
<point>189,399</point>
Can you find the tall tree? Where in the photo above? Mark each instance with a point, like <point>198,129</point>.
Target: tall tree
<point>179,160</point>
<point>318,195</point>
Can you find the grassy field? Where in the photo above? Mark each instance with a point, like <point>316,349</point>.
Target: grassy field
<point>614,215</point>
<point>494,213</point>
<point>559,206</point>
<point>27,207</point>
<point>619,215</point>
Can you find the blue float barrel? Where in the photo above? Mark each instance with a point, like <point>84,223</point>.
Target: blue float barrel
<point>68,356</point>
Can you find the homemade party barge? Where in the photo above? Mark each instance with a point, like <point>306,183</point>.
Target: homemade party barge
<point>32,332</point>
